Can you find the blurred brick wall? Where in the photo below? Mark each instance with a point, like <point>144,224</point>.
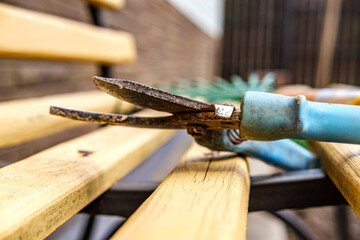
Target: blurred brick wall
<point>169,47</point>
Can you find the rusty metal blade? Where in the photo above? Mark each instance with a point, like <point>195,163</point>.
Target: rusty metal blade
<point>118,119</point>
<point>149,97</point>
<point>208,120</point>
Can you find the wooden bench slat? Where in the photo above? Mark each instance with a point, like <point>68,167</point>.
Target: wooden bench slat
<point>29,119</point>
<point>111,4</point>
<point>198,200</point>
<point>31,34</point>
<point>40,193</point>
<point>342,163</point>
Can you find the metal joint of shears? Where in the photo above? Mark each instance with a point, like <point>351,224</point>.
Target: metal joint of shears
<point>261,116</point>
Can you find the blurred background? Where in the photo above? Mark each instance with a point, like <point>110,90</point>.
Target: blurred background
<point>311,42</point>
<point>170,45</point>
<point>293,36</point>
<point>189,39</point>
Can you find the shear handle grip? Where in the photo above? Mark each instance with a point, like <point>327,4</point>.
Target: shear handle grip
<point>267,116</point>
<point>285,153</point>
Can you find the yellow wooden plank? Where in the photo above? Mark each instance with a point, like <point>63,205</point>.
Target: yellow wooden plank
<point>29,119</point>
<point>342,163</point>
<point>29,34</point>
<point>40,193</point>
<point>111,4</point>
<point>198,200</point>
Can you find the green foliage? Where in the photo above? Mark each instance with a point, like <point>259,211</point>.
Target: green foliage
<point>303,143</point>
<point>221,90</point>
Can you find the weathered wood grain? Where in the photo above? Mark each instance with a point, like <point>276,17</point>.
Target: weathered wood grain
<point>36,35</point>
<point>342,163</point>
<point>200,199</point>
<point>28,119</point>
<point>40,193</point>
<point>111,4</point>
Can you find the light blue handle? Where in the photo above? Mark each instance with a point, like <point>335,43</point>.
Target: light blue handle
<point>285,154</point>
<point>282,153</point>
<point>267,116</point>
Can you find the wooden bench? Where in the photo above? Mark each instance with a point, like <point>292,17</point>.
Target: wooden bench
<point>28,119</point>
<point>41,192</point>
<point>37,35</point>
<point>111,4</point>
<point>342,163</point>
<point>202,198</point>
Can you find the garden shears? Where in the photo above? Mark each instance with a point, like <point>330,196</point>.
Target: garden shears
<point>263,117</point>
